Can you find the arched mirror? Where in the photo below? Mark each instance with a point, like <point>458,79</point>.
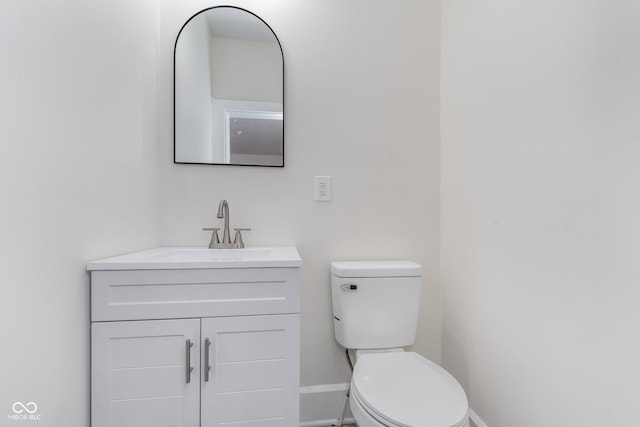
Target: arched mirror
<point>228,90</point>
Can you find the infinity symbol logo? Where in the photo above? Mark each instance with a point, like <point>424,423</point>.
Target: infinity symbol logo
<point>19,407</point>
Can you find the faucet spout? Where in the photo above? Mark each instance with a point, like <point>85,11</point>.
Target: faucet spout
<point>223,212</point>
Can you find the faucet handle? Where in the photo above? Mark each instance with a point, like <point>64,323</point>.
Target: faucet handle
<point>214,236</point>
<point>237,240</point>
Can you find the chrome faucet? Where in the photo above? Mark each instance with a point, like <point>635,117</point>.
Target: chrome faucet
<point>223,212</point>
<point>238,243</point>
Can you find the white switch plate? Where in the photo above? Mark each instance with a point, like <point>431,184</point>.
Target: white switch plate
<point>322,189</point>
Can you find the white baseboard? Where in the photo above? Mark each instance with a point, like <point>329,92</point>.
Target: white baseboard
<point>322,405</point>
<point>476,420</point>
<point>328,423</point>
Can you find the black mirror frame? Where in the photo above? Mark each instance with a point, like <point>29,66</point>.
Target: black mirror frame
<point>174,90</point>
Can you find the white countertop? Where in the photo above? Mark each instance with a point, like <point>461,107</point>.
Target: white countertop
<point>175,257</point>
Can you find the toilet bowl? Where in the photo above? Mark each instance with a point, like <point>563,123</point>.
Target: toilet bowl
<point>375,314</point>
<point>404,389</point>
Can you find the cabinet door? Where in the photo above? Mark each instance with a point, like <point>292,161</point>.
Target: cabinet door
<point>139,373</point>
<point>255,370</point>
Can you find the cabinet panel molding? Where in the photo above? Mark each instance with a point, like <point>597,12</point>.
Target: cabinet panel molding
<point>255,370</point>
<point>138,373</point>
<point>166,294</point>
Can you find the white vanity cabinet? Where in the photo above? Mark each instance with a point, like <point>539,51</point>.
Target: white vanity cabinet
<point>216,344</point>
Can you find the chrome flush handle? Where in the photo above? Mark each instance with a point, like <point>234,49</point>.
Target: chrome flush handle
<point>349,286</point>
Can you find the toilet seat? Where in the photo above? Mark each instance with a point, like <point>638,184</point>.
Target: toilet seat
<point>404,389</point>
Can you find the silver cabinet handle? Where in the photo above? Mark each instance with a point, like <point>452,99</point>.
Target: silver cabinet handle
<point>207,365</point>
<point>189,368</point>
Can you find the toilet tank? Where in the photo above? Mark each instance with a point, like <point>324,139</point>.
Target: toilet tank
<point>375,303</point>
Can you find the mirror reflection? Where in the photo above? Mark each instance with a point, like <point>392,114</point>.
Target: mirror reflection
<point>228,90</point>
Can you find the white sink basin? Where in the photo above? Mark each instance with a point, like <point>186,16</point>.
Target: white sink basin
<point>192,257</point>
<point>204,254</point>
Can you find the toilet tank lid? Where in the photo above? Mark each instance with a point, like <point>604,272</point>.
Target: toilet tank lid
<point>376,269</point>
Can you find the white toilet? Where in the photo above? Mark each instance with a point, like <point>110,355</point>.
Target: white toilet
<point>375,314</point>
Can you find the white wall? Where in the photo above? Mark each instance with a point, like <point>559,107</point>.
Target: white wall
<point>246,70</point>
<point>540,208</point>
<point>193,93</point>
<point>361,105</point>
<point>78,157</point>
